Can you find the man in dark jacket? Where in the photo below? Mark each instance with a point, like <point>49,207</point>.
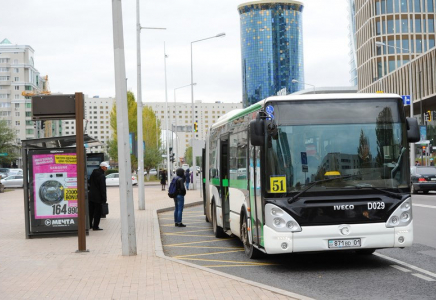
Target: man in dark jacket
<point>97,195</point>
<point>179,200</point>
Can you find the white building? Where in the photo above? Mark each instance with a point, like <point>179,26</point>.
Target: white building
<point>96,123</point>
<point>17,75</point>
<point>180,115</point>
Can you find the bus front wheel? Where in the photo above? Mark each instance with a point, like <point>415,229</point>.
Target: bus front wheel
<point>250,251</point>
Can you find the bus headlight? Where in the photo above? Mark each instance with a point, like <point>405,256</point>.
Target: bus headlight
<point>280,220</point>
<point>402,216</point>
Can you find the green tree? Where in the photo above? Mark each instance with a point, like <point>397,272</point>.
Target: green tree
<point>151,129</point>
<point>7,139</point>
<point>188,155</point>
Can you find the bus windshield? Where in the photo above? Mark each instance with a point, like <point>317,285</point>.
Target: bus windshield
<point>371,147</point>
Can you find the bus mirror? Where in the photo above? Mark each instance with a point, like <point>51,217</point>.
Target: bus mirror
<point>257,132</point>
<point>413,135</point>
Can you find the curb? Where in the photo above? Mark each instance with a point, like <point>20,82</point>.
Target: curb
<point>159,253</point>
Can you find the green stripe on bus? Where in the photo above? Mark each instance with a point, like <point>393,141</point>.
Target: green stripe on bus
<point>225,182</point>
<point>238,184</point>
<point>216,181</point>
<point>246,111</point>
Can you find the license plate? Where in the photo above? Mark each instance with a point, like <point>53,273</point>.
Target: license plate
<point>348,243</point>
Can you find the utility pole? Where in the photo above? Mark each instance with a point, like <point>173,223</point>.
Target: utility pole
<point>128,232</point>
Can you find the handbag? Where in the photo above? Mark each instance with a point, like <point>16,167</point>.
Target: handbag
<point>105,209</point>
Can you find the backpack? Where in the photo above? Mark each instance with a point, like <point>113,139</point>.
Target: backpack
<point>172,191</point>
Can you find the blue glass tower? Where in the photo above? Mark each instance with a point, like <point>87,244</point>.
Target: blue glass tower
<point>272,48</point>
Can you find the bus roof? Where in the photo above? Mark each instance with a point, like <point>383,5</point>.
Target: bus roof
<point>254,107</point>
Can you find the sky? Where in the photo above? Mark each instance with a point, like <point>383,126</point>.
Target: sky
<point>73,43</point>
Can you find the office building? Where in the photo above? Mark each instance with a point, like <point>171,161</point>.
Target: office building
<point>271,48</point>
<point>180,117</point>
<point>387,35</point>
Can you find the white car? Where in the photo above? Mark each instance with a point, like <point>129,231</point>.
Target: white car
<point>153,172</point>
<point>15,172</point>
<point>114,180</point>
<point>13,181</point>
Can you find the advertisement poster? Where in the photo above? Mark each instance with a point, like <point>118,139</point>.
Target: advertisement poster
<point>55,185</point>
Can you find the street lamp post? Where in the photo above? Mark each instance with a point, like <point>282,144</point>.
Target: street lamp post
<point>141,193</point>
<point>166,113</point>
<point>412,149</point>
<point>175,118</point>
<point>296,81</point>
<point>192,99</point>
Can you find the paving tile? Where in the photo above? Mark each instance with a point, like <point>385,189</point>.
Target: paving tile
<point>49,268</point>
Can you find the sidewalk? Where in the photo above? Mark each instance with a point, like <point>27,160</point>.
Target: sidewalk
<point>49,267</point>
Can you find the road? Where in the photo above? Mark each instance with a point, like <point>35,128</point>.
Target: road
<point>388,274</point>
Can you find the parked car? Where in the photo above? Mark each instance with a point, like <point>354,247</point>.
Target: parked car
<point>423,179</point>
<point>12,181</point>
<point>15,172</point>
<point>153,172</point>
<point>4,172</point>
<point>185,166</point>
<point>114,180</point>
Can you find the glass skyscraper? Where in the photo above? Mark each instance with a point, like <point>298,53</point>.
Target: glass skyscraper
<point>272,48</point>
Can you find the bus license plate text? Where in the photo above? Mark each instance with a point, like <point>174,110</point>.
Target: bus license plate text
<point>344,243</point>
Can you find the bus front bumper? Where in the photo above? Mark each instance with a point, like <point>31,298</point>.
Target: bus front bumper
<point>316,238</point>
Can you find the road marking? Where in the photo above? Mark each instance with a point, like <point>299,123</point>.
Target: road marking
<point>400,268</point>
<point>231,266</point>
<point>423,277</point>
<point>190,231</point>
<point>210,253</point>
<point>183,234</point>
<point>190,243</point>
<point>205,247</point>
<point>406,265</point>
<point>232,261</point>
<point>423,205</point>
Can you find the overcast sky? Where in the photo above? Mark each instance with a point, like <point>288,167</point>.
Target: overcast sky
<point>73,43</point>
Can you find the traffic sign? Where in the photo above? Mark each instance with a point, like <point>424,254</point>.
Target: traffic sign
<point>406,99</point>
<point>3,154</point>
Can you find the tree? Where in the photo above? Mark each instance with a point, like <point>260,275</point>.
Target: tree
<point>188,155</point>
<point>7,140</point>
<point>151,132</point>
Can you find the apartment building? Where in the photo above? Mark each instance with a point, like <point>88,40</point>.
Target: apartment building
<point>180,117</point>
<point>17,75</point>
<point>96,123</point>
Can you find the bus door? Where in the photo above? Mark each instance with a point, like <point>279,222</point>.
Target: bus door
<point>224,179</point>
<point>203,177</point>
<point>255,195</point>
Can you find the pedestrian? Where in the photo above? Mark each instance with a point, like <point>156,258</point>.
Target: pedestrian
<point>187,178</point>
<point>179,200</point>
<point>163,179</point>
<point>97,195</point>
<point>417,163</point>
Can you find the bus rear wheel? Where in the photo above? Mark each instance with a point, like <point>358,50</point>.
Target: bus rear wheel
<point>250,251</point>
<point>218,231</point>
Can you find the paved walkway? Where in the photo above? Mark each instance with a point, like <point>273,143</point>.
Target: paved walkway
<point>49,268</point>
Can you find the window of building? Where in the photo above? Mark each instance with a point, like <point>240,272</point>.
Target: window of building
<point>16,70</point>
<point>17,113</point>
<point>17,123</point>
<point>28,114</point>
<point>16,78</point>
<point>28,105</point>
<point>4,78</point>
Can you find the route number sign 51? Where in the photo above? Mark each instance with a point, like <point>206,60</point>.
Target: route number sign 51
<point>278,184</point>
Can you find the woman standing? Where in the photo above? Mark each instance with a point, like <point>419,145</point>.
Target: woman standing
<point>163,179</point>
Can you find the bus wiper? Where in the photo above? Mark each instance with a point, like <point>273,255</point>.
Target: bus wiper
<point>295,197</point>
<point>368,186</point>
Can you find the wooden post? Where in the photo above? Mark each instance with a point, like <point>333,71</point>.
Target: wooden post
<point>80,156</point>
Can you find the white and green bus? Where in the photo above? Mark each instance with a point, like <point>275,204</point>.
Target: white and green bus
<point>312,173</point>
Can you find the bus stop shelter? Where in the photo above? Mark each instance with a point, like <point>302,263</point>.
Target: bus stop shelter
<point>50,185</point>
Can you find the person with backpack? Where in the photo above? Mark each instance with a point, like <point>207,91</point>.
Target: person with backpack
<point>187,178</point>
<point>177,191</point>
